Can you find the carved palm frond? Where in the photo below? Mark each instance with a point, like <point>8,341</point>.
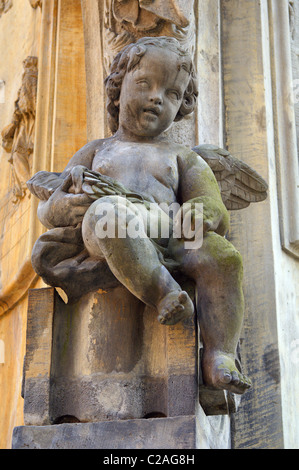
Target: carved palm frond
<point>96,185</point>
<point>239,184</point>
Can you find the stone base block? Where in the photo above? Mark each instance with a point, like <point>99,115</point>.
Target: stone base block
<point>156,433</point>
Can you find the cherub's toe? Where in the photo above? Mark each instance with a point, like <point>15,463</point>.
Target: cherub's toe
<point>240,384</point>
<point>247,382</point>
<point>235,378</point>
<point>227,378</point>
<point>174,308</point>
<point>163,318</point>
<point>179,308</point>
<point>183,297</point>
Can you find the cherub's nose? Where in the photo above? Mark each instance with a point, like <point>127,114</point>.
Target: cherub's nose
<point>156,98</point>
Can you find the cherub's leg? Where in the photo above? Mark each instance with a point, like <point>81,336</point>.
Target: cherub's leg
<point>134,261</point>
<point>217,270</point>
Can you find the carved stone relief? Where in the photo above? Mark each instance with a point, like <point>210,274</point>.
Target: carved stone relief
<point>128,20</point>
<point>18,136</point>
<point>5,5</point>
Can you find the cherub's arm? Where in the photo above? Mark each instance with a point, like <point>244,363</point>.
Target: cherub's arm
<point>197,184</point>
<point>65,206</point>
<point>83,157</point>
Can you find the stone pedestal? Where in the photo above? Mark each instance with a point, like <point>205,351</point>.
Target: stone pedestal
<point>106,357</point>
<point>104,373</point>
<point>160,433</point>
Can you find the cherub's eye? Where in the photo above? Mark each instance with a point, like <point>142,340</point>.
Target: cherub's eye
<point>143,84</point>
<point>174,94</point>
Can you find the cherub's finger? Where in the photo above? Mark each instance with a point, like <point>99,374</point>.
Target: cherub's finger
<point>81,199</point>
<point>66,184</point>
<point>80,212</point>
<point>77,177</point>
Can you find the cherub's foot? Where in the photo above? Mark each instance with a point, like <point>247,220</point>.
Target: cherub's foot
<point>174,307</point>
<point>221,372</point>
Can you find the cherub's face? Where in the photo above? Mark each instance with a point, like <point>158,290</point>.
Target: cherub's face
<point>152,93</point>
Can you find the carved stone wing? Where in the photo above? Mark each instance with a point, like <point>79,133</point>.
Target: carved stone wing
<point>239,184</point>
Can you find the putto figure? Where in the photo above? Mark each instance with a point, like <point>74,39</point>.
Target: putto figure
<point>152,84</point>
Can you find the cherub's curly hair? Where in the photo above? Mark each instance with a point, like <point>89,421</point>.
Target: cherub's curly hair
<point>127,59</point>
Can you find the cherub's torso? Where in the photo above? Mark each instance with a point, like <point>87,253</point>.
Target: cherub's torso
<point>148,168</point>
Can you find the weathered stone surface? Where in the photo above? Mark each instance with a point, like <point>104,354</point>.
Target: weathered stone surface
<point>37,364</point>
<point>73,369</point>
<point>158,433</point>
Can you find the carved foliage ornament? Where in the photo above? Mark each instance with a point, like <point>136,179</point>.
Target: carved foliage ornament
<point>18,136</point>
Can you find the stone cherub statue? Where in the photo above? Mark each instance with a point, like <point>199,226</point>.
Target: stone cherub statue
<point>152,83</point>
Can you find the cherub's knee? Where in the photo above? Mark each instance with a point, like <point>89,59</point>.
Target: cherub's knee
<point>224,254</point>
<point>230,259</point>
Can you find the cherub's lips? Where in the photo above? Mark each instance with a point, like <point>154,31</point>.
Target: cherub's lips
<point>155,111</point>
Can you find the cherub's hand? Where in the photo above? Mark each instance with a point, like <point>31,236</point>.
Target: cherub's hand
<point>189,220</point>
<point>204,214</point>
<point>213,215</point>
<point>63,208</point>
<point>77,179</point>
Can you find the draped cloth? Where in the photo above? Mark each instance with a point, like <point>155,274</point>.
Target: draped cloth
<point>61,260</point>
